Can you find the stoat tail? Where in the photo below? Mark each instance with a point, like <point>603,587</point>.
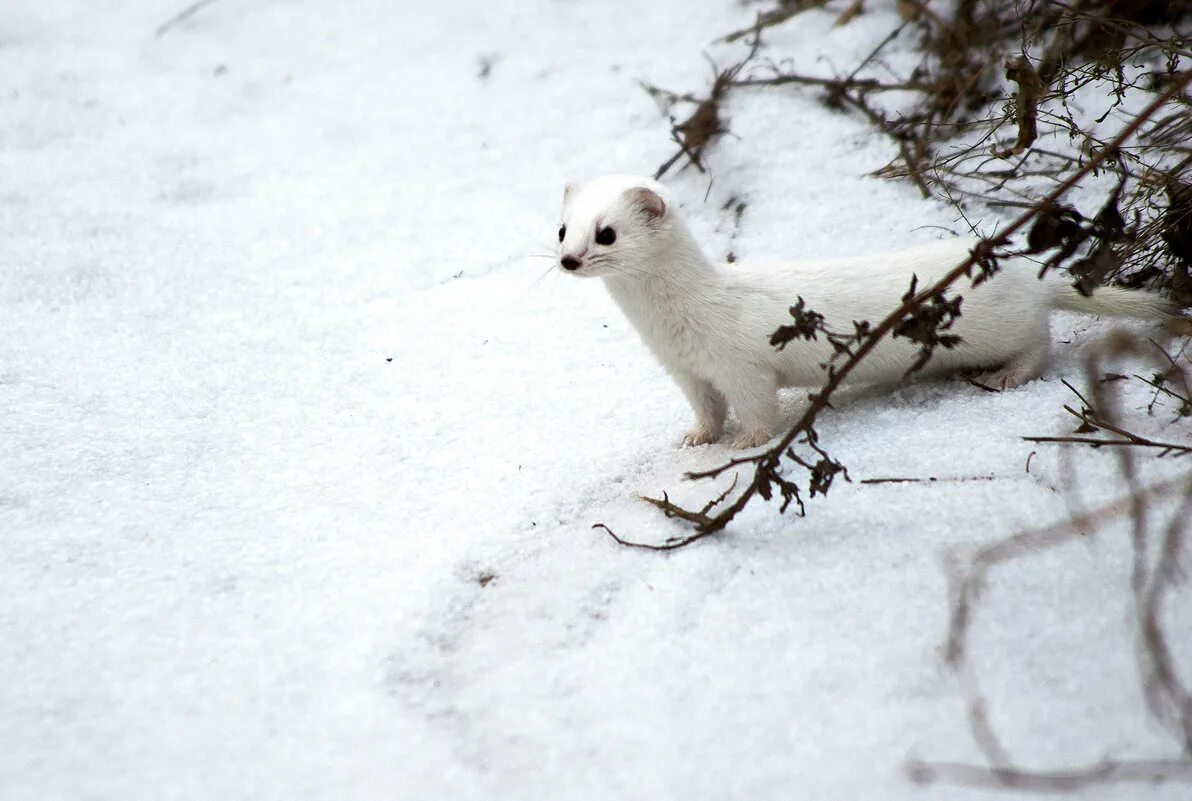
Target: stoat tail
<point>1112,301</point>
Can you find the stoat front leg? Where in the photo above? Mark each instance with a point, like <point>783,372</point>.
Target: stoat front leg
<point>756,403</point>
<point>709,406</point>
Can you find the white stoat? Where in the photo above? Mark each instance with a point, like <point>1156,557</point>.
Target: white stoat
<point>710,325</point>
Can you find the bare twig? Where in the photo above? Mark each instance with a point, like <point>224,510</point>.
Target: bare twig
<point>695,133</point>
<point>1166,448</point>
<point>771,18</point>
<point>928,480</point>
<point>1091,419</point>
<point>691,517</point>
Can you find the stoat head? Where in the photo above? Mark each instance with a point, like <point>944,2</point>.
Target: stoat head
<point>611,224</point>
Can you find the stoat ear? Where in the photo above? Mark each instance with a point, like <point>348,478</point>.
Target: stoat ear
<point>568,191</point>
<point>647,201</point>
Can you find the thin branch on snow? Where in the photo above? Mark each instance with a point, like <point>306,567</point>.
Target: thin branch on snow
<point>1092,420</point>
<point>690,517</point>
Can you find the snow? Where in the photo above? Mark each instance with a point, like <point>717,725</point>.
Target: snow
<point>302,449</point>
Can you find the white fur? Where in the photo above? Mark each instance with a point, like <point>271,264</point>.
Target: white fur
<point>710,325</point>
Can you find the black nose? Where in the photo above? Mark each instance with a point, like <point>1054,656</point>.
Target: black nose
<point>570,262</point>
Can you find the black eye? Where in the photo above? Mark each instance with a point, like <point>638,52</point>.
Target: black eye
<point>606,236</point>
<point>562,232</point>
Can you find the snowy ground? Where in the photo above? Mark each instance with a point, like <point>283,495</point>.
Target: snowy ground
<point>300,457</point>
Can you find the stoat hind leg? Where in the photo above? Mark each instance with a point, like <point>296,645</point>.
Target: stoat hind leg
<point>1021,368</point>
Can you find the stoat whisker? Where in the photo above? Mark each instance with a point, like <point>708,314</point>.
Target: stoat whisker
<point>625,268</point>
<point>545,273</point>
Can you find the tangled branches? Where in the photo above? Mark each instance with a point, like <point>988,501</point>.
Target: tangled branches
<point>961,137</point>
<point>961,134</point>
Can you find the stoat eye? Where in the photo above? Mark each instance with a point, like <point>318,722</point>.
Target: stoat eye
<point>562,232</point>
<point>606,236</point>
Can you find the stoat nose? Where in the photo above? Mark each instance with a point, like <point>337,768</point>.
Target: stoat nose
<point>570,262</point>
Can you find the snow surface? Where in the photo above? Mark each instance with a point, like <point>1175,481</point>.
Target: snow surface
<point>302,451</point>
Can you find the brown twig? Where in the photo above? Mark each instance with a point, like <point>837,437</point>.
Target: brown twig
<point>928,480</point>
<point>1091,419</point>
<point>771,18</point>
<point>691,517</point>
<point>705,123</point>
<point>1166,448</point>
<point>835,85</point>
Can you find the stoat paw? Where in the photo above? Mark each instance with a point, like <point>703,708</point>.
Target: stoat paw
<point>1007,377</point>
<point>700,435</point>
<point>751,438</point>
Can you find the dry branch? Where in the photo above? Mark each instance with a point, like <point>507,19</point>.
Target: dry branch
<point>1092,420</point>
<point>771,18</point>
<point>697,131</point>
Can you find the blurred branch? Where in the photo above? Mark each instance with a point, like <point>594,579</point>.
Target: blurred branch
<point>1168,699</point>
<point>769,19</point>
<point>183,16</point>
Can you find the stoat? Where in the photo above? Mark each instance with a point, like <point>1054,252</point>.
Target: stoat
<point>710,325</point>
